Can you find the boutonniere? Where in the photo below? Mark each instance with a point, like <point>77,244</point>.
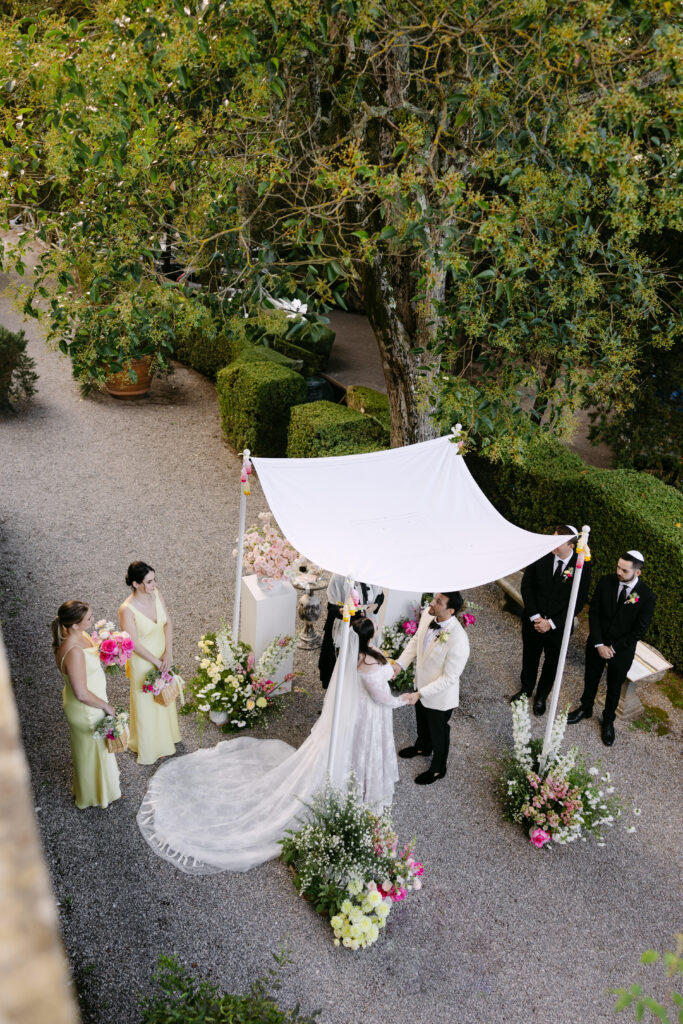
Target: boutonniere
<point>632,599</point>
<point>442,638</point>
<point>568,573</point>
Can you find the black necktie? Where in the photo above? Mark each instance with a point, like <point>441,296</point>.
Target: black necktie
<point>364,592</point>
<point>434,624</point>
<point>622,595</point>
<point>558,570</point>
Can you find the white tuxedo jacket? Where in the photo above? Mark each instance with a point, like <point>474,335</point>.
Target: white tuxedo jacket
<point>439,664</point>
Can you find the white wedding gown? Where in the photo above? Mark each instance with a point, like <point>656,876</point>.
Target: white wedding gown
<point>225,808</point>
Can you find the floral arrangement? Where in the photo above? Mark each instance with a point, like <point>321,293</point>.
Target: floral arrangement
<point>113,729</point>
<point>346,860</point>
<point>115,646</point>
<point>165,686</point>
<point>562,802</point>
<point>230,681</point>
<point>266,552</point>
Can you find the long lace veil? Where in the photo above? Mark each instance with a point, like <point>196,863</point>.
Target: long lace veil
<point>225,808</point>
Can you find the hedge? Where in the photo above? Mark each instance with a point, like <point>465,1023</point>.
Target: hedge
<point>199,343</point>
<point>369,402</point>
<point>624,508</point>
<point>324,428</point>
<point>255,401</point>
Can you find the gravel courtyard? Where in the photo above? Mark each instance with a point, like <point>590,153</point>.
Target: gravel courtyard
<point>500,932</point>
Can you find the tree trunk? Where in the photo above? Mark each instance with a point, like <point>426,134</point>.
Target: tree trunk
<point>410,393</point>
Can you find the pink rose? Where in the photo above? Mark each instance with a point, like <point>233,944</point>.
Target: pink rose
<point>108,648</point>
<point>539,837</point>
<point>468,619</point>
<point>409,627</point>
<point>126,644</point>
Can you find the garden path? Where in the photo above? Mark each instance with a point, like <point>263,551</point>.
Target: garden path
<point>500,932</point>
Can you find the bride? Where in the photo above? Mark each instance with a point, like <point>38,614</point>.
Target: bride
<point>226,808</point>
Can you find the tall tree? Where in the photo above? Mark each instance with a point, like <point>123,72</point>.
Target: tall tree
<point>482,173</point>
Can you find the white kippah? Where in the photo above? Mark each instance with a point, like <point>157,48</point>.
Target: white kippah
<point>573,529</point>
<point>636,554</point>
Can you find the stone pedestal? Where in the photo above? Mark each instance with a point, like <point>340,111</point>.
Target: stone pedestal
<point>265,614</point>
<point>648,666</point>
<point>398,604</point>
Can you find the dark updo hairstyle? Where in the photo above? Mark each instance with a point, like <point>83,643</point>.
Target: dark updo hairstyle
<point>68,614</point>
<point>137,572</point>
<point>455,599</point>
<point>365,630</point>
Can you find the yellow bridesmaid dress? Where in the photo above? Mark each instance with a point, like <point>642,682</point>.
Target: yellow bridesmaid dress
<point>96,773</point>
<point>153,728</point>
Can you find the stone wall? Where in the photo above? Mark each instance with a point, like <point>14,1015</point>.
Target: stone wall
<point>34,980</point>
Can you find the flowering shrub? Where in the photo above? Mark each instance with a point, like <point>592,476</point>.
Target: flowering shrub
<point>564,801</point>
<point>229,680</point>
<point>266,552</point>
<point>115,646</point>
<point>346,860</point>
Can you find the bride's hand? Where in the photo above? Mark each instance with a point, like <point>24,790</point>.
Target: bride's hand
<point>410,698</point>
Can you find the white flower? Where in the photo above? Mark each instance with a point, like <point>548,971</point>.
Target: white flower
<point>636,811</point>
<point>631,828</point>
<point>593,771</point>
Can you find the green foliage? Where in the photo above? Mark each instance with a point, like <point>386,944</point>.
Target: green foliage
<point>370,403</point>
<point>324,428</point>
<point>255,401</point>
<point>187,999</point>
<point>17,370</point>
<point>500,183</point>
<point>649,435</point>
<point>672,688</point>
<point>625,509</point>
<point>658,1007</point>
<point>653,719</point>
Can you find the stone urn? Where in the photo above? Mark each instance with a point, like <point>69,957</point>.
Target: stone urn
<point>309,607</point>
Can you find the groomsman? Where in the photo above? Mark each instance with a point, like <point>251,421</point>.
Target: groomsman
<point>620,612</point>
<point>442,649</point>
<point>546,587</point>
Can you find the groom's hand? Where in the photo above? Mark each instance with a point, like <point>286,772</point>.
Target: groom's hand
<point>397,668</point>
<point>411,698</point>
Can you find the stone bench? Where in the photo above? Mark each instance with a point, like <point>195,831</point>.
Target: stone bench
<point>649,666</point>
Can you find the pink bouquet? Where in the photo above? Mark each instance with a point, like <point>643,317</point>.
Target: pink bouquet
<point>114,646</point>
<point>165,686</point>
<point>266,552</point>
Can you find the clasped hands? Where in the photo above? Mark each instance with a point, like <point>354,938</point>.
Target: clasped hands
<point>542,625</point>
<point>407,698</point>
<point>605,652</point>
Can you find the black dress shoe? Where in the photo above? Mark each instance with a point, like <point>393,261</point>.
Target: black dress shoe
<point>426,778</point>
<point>577,714</point>
<point>516,696</point>
<point>414,751</point>
<point>607,733</point>
<point>539,707</point>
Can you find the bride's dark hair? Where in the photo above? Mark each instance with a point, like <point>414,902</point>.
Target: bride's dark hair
<point>365,629</point>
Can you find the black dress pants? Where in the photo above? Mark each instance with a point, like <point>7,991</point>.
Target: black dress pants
<point>617,668</point>
<point>433,734</point>
<point>535,644</point>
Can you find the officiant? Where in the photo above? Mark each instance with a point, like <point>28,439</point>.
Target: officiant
<point>370,598</point>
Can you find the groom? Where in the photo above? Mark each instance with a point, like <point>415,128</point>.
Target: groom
<point>442,649</point>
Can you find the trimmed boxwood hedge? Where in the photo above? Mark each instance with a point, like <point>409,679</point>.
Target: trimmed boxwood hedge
<point>625,509</point>
<point>370,403</point>
<point>255,401</point>
<point>324,428</point>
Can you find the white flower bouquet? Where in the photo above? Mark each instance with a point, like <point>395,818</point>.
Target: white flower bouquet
<point>266,552</point>
<point>113,729</point>
<point>346,860</point>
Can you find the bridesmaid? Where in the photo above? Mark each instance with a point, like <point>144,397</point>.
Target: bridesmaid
<point>153,728</point>
<point>95,772</point>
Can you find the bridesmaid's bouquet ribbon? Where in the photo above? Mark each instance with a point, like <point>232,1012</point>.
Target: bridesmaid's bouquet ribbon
<point>114,646</point>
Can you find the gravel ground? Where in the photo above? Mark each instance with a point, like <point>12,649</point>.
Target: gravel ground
<point>500,932</point>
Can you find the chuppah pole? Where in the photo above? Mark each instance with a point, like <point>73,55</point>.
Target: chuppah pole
<point>583,554</point>
<point>340,668</point>
<point>246,490</point>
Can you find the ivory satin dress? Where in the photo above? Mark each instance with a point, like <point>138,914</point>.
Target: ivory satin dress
<point>95,771</point>
<point>154,729</point>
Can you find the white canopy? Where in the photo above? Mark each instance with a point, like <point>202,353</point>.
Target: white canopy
<point>407,518</point>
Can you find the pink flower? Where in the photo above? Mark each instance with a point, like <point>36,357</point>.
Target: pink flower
<point>108,649</point>
<point>398,894</point>
<point>250,661</point>
<point>417,868</point>
<point>409,627</point>
<point>126,644</point>
<point>539,837</point>
<point>468,619</point>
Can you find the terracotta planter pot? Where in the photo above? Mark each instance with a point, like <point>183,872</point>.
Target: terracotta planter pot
<point>120,385</point>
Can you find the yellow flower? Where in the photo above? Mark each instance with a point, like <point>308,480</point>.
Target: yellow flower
<point>250,705</point>
<point>346,907</point>
<point>261,702</point>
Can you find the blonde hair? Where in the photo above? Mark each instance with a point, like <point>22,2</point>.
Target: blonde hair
<point>68,614</point>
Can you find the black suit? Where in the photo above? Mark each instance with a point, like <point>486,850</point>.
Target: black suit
<point>547,595</point>
<point>619,627</point>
